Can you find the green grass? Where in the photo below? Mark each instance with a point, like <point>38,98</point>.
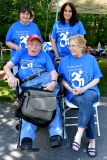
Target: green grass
<point>7,94</point>
<point>103,82</point>
<point>6,56</point>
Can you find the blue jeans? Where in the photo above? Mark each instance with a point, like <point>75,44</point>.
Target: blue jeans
<point>86,111</point>
<point>55,127</point>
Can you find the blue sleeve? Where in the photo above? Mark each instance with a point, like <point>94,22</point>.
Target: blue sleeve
<point>16,58</point>
<point>97,72</point>
<point>81,28</point>
<point>9,36</point>
<point>49,65</point>
<point>54,31</point>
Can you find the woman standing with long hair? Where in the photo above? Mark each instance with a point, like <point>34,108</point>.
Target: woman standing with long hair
<point>68,25</point>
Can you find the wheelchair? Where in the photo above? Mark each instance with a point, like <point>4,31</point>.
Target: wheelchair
<point>54,141</point>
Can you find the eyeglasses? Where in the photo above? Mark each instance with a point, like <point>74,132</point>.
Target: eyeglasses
<point>34,44</point>
<point>72,46</point>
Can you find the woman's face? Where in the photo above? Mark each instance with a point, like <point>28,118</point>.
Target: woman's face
<point>24,17</point>
<point>67,13</point>
<point>75,48</point>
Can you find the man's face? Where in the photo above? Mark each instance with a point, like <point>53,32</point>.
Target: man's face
<point>34,46</point>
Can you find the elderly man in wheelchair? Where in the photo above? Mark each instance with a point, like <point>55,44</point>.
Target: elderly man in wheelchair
<point>37,71</point>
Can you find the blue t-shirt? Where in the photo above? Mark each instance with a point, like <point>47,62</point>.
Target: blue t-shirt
<point>29,65</point>
<point>18,34</point>
<point>78,72</point>
<point>47,46</point>
<point>62,32</point>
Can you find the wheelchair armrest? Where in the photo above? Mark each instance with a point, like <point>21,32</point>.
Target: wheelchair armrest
<point>17,90</point>
<point>62,89</point>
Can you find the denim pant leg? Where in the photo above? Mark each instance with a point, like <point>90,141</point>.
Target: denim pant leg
<point>55,127</point>
<point>86,111</point>
<point>28,130</point>
<point>89,131</point>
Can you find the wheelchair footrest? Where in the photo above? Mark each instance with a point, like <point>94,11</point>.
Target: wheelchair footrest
<point>32,150</point>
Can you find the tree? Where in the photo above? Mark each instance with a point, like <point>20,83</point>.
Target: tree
<point>96,28</point>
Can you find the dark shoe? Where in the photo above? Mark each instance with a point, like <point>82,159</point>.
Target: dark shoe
<point>55,141</point>
<point>76,145</point>
<point>26,144</point>
<point>91,150</point>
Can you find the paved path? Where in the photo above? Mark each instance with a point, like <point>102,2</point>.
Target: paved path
<point>9,139</point>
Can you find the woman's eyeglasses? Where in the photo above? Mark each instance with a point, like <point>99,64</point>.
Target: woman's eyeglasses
<point>73,46</point>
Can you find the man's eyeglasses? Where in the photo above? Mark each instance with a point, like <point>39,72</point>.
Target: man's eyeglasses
<point>34,44</point>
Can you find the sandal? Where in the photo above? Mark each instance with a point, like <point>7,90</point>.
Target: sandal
<point>91,150</point>
<point>76,145</point>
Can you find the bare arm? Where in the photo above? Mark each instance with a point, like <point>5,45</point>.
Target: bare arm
<point>67,86</point>
<point>50,86</point>
<point>11,45</point>
<point>12,80</point>
<point>80,90</point>
<point>92,83</point>
<point>55,47</point>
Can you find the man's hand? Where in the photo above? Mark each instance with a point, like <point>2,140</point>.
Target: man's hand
<point>50,86</point>
<point>13,82</point>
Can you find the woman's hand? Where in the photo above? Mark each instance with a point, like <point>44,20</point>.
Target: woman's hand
<point>78,91</point>
<point>17,48</point>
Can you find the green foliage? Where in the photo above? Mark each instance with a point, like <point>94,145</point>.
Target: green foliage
<point>96,28</point>
<point>9,11</point>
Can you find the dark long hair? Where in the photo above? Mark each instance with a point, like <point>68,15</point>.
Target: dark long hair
<point>25,8</point>
<point>74,19</point>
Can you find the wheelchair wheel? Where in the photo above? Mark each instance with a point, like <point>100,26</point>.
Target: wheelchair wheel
<point>16,126</point>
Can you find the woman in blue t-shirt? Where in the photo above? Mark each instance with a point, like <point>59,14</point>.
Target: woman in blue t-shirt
<point>19,31</point>
<point>80,76</point>
<point>67,26</point>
